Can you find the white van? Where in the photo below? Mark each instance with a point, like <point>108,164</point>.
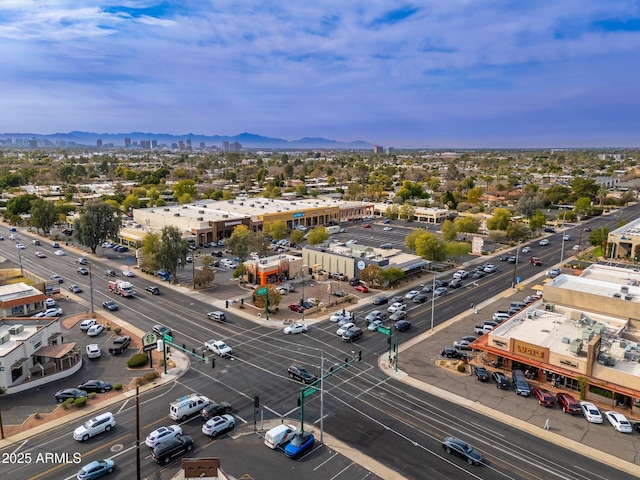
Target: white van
<point>278,436</point>
<point>186,406</point>
<point>99,424</point>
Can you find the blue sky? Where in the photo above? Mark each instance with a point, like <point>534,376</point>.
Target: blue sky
<point>445,73</point>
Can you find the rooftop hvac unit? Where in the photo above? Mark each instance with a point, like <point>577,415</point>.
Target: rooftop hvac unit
<point>587,334</point>
<point>225,216</point>
<point>176,214</point>
<point>166,209</point>
<point>200,219</point>
<point>240,203</point>
<point>16,329</point>
<point>4,337</point>
<point>184,207</point>
<point>575,346</point>
<point>200,211</point>
<point>261,206</point>
<point>566,340</point>
<point>231,202</point>
<point>627,297</point>
<point>617,295</point>
<point>252,205</point>
<point>624,289</point>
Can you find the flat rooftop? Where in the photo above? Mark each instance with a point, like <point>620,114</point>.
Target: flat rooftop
<point>603,281</point>
<point>14,339</point>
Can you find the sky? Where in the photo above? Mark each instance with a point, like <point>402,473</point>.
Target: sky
<point>434,73</point>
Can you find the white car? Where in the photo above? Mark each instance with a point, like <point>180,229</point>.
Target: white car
<point>461,274</point>
<point>87,324</point>
<point>341,315</point>
<point>591,412</point>
<point>95,330</point>
<point>373,326</point>
<point>350,242</point>
<point>344,328</point>
<point>411,294</point>
<point>56,277</point>
<point>295,328</point>
<point>543,242</point>
<point>49,303</point>
<point>161,434</point>
<point>618,421</point>
<point>396,306</point>
<point>490,268</point>
<point>566,237</point>
<point>40,255</point>
<point>387,229</point>
<point>576,248</point>
<point>93,350</point>
<point>20,246</point>
<point>54,245</point>
<point>53,312</point>
<point>527,249</point>
<point>128,273</point>
<point>60,253</point>
<point>216,425</point>
<point>218,346</point>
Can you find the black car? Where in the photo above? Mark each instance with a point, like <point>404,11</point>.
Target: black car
<point>466,451</point>
<point>504,258</point>
<point>511,259</point>
<point>83,271</point>
<point>351,335</point>
<point>380,300</point>
<point>110,305</point>
<point>163,452</point>
<point>549,230</point>
<point>502,382</point>
<point>402,325</point>
<point>354,281</point>
<point>62,395</point>
<point>217,253</point>
<point>426,288</point>
<point>301,374</point>
<point>450,352</point>
<point>420,298</point>
<point>442,283</point>
<point>215,410</point>
<point>110,273</point>
<point>339,293</point>
<point>97,386</point>
<point>481,374</point>
<point>153,290</point>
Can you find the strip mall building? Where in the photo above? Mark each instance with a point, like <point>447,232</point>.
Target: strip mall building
<point>583,335</point>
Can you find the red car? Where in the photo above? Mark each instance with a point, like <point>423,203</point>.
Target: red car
<point>535,261</point>
<point>296,307</point>
<point>366,225</point>
<point>362,288</point>
<point>568,403</point>
<point>543,396</point>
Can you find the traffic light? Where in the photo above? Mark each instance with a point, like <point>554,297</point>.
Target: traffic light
<point>226,303</point>
<point>213,363</point>
<point>359,355</point>
<point>298,401</point>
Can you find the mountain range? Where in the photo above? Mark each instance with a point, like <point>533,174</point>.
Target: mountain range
<point>247,140</point>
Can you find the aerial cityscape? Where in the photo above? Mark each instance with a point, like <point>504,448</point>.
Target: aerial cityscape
<point>340,241</point>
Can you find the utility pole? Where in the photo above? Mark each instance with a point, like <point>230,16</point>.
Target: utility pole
<point>515,267</point>
<point>91,289</point>
<point>138,476</point>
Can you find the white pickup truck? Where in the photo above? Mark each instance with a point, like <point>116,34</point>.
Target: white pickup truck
<point>485,327</point>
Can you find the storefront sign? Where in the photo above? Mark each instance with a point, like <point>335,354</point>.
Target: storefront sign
<point>298,215</point>
<point>529,350</point>
<point>568,363</point>
<point>229,224</point>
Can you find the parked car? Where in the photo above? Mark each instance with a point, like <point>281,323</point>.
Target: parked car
<point>95,330</point>
<point>554,272</point>
<point>161,434</point>
<point>458,447</point>
<point>362,288</point>
<point>296,372</point>
<point>618,421</point>
<point>87,323</point>
<point>97,386</point>
<point>462,344</point>
<point>568,403</point>
<point>62,395</point>
<point>544,397</point>
<point>481,373</point>
<point>93,350</point>
<point>295,307</point>
<point>591,412</point>
<point>299,444</point>
<point>450,352</point>
<point>120,345</point>
<point>502,382</point>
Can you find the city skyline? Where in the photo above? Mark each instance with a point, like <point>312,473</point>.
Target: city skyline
<point>435,74</point>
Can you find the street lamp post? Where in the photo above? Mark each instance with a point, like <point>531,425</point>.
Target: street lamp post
<point>563,237</point>
<point>302,301</point>
<point>91,288</point>
<point>433,300</point>
<point>515,267</point>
